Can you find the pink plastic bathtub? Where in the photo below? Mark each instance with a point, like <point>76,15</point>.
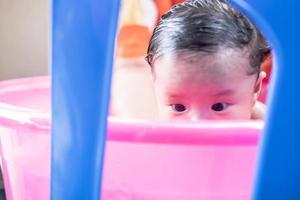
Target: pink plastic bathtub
<point>144,161</point>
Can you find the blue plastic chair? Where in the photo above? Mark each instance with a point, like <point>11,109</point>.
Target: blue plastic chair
<point>83,35</point>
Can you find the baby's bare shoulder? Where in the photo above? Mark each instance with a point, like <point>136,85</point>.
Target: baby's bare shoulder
<point>258,111</point>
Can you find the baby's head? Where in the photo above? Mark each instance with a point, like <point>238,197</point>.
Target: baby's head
<point>205,58</point>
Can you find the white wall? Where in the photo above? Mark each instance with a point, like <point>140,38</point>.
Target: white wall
<point>24,35</point>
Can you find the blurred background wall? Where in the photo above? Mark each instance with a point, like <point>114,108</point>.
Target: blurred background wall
<point>24,32</point>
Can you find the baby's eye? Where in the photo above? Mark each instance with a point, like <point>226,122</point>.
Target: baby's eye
<point>178,107</point>
<point>219,107</point>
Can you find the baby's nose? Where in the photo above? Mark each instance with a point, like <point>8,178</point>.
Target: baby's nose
<point>197,116</point>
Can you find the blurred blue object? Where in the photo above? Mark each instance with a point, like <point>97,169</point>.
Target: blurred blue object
<point>278,171</point>
<point>83,36</point>
<point>83,41</point>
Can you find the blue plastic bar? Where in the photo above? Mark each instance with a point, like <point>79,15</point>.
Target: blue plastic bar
<point>83,35</point>
<point>278,172</point>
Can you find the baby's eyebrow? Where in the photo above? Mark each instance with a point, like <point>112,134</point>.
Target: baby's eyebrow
<point>224,93</point>
<point>172,95</point>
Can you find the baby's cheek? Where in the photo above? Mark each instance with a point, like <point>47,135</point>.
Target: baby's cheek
<point>164,112</point>
<point>242,112</point>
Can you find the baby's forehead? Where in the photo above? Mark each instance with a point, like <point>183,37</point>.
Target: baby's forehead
<point>209,78</point>
<point>223,62</point>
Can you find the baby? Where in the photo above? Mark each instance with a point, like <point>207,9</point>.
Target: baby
<point>205,58</point>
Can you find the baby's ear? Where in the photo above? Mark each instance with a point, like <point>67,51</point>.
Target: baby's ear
<point>258,83</point>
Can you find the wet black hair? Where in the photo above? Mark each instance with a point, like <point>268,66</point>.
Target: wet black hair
<point>206,26</point>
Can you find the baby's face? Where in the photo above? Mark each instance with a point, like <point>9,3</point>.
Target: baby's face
<point>205,87</point>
